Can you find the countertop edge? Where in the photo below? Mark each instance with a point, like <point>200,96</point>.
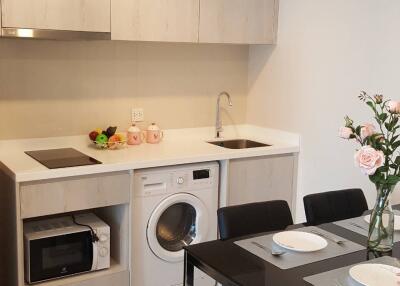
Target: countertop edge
<point>117,167</point>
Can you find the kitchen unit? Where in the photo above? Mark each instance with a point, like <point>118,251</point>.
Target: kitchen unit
<point>238,21</point>
<point>262,178</point>
<point>161,21</point>
<point>203,21</point>
<point>192,21</point>
<point>30,190</point>
<point>55,18</point>
<point>107,195</point>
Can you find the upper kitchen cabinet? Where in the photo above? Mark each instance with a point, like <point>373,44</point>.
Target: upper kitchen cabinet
<point>238,21</point>
<point>155,20</point>
<point>59,15</point>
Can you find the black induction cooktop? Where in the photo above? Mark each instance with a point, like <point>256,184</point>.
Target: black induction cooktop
<point>62,158</point>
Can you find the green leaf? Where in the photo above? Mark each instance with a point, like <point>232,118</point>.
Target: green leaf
<point>383,116</point>
<point>358,130</point>
<point>394,139</point>
<point>371,104</point>
<point>377,178</point>
<point>395,145</point>
<point>381,170</point>
<point>397,160</point>
<point>388,152</point>
<point>388,126</point>
<point>392,179</point>
<point>395,121</point>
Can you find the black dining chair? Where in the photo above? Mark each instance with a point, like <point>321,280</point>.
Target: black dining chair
<point>247,219</point>
<point>334,205</point>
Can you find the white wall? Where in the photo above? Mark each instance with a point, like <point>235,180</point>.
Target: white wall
<point>327,52</point>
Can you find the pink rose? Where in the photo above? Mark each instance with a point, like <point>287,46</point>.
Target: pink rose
<point>394,106</point>
<point>369,159</point>
<point>367,130</point>
<point>345,132</point>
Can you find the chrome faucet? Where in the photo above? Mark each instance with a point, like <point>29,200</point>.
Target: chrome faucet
<point>218,123</point>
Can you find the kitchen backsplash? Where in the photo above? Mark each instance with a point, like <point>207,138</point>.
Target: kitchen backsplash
<point>52,88</point>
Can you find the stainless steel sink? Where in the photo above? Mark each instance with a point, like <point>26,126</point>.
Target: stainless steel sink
<point>238,144</point>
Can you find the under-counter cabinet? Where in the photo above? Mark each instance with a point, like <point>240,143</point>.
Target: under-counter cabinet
<point>238,21</point>
<point>155,20</point>
<point>63,15</point>
<point>262,179</point>
<point>107,195</point>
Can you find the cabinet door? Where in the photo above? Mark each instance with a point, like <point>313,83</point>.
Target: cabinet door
<point>261,179</point>
<point>69,15</point>
<point>238,21</point>
<point>74,194</point>
<point>155,20</point>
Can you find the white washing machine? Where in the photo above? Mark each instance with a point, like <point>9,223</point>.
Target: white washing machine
<point>173,207</point>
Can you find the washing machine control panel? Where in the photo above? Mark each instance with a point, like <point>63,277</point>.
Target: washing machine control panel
<point>193,178</point>
<point>197,175</point>
<point>164,180</point>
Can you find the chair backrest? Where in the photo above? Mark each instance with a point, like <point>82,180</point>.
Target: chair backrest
<point>333,206</point>
<point>240,220</point>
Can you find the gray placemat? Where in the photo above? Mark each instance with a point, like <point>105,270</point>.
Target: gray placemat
<point>360,226</point>
<point>293,259</point>
<point>341,277</point>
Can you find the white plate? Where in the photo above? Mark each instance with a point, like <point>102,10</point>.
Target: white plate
<point>385,220</point>
<point>299,241</point>
<point>375,274</point>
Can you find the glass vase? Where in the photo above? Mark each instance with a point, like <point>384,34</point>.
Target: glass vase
<point>381,227</point>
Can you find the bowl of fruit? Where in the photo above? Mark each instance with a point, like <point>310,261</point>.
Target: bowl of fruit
<point>107,139</point>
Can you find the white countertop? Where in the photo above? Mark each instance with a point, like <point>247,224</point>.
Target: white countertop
<point>179,146</point>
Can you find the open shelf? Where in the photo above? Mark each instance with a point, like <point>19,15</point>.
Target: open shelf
<point>117,217</point>
<point>116,272</point>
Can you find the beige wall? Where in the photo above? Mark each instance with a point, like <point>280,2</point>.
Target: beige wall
<point>50,88</point>
<point>327,52</point>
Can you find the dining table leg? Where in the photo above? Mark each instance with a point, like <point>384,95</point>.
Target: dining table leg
<point>188,274</point>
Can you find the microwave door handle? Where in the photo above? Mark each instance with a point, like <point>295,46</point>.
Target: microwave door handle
<point>95,255</point>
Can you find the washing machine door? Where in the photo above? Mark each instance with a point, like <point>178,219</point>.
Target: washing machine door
<point>179,220</point>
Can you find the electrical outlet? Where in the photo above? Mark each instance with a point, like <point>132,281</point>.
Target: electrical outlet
<point>137,114</point>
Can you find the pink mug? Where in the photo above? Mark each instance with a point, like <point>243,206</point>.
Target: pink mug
<point>134,135</point>
<point>153,134</point>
